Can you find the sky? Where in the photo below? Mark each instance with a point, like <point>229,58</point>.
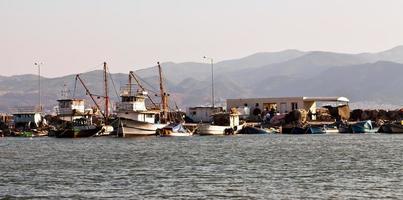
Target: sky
<point>75,36</point>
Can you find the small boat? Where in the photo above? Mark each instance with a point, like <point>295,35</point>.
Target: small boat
<point>223,124</point>
<point>303,130</point>
<point>393,128</point>
<point>316,130</point>
<point>293,130</point>
<point>252,130</point>
<point>174,130</point>
<point>363,127</point>
<point>331,129</point>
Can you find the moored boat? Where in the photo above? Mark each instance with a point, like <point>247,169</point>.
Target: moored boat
<point>174,130</point>
<point>363,127</point>
<point>391,128</point>
<point>253,130</point>
<point>303,130</point>
<point>135,118</point>
<point>79,128</point>
<point>74,121</point>
<point>129,127</point>
<point>223,124</point>
<point>293,130</point>
<point>316,130</point>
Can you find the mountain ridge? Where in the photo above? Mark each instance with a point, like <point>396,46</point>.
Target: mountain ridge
<point>284,73</point>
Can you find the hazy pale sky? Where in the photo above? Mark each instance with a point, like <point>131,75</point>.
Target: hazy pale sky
<point>73,36</point>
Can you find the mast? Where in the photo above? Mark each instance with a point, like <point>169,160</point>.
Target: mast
<point>132,75</point>
<point>38,64</point>
<point>130,84</point>
<point>164,96</point>
<point>89,93</point>
<point>106,94</point>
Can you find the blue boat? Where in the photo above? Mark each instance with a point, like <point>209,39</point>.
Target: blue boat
<point>363,127</point>
<point>316,130</point>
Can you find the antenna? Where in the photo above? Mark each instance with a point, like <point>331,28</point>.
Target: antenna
<point>66,92</point>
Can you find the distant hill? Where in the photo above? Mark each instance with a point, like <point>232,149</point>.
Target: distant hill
<point>392,55</point>
<point>366,77</point>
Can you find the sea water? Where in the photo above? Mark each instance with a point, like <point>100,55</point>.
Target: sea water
<point>361,166</point>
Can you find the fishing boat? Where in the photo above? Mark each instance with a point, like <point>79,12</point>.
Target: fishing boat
<point>135,118</point>
<point>138,122</point>
<point>75,122</point>
<point>223,124</point>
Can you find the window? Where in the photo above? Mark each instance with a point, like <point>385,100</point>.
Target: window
<point>294,106</point>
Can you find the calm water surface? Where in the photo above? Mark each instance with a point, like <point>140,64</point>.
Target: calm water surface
<point>232,167</point>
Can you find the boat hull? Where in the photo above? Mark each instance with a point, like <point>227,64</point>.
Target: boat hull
<point>133,128</point>
<point>78,133</point>
<point>252,130</point>
<point>173,134</point>
<point>391,129</point>
<point>316,130</point>
<point>293,130</point>
<point>363,127</point>
<point>174,130</point>
<point>208,129</point>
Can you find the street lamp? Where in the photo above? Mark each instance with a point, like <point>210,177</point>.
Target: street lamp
<point>212,79</point>
<point>38,64</point>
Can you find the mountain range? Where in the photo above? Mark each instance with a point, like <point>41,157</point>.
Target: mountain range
<point>364,77</point>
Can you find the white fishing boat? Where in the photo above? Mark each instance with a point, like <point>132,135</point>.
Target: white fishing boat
<point>223,124</point>
<point>135,118</point>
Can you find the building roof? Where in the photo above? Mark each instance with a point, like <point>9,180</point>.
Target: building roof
<point>70,100</point>
<point>336,99</point>
<point>206,107</point>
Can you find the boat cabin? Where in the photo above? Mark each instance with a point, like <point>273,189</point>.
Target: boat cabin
<point>131,102</point>
<point>202,114</point>
<point>6,119</point>
<point>71,109</point>
<point>226,119</point>
<point>134,107</point>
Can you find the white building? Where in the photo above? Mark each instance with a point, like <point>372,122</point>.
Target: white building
<point>282,104</point>
<point>202,114</point>
<point>27,117</point>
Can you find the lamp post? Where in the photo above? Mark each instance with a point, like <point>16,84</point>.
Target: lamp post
<point>212,79</point>
<point>39,84</point>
